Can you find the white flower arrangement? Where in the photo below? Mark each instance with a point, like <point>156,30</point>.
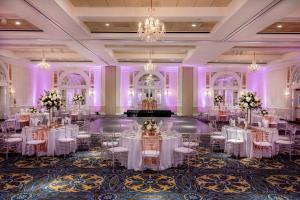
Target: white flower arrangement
<point>219,99</point>
<point>250,101</point>
<point>51,99</point>
<point>78,98</point>
<point>32,110</point>
<point>264,112</point>
<point>150,125</point>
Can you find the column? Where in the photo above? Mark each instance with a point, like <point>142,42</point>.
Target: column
<point>112,97</point>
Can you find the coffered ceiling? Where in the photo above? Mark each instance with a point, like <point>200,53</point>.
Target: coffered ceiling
<point>104,32</point>
<point>147,3</point>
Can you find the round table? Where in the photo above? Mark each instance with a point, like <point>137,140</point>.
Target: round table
<point>134,145</point>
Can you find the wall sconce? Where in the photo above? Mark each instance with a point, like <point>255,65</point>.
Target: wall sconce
<point>91,92</point>
<point>167,92</point>
<point>131,92</point>
<point>12,91</point>
<point>287,92</point>
<point>207,92</point>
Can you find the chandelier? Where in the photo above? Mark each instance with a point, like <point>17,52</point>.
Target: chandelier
<point>152,29</point>
<point>44,64</point>
<point>149,67</point>
<point>254,67</point>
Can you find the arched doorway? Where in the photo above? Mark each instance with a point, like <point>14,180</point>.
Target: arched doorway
<point>4,96</point>
<point>149,85</point>
<point>71,83</point>
<point>228,85</point>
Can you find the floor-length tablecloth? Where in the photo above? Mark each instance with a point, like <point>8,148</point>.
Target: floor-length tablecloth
<point>134,145</point>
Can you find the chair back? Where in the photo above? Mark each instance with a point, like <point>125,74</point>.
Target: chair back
<point>262,136</point>
<point>10,125</point>
<point>152,143</point>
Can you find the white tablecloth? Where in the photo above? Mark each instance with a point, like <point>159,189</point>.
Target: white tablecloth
<point>52,143</point>
<point>134,145</point>
<point>247,149</point>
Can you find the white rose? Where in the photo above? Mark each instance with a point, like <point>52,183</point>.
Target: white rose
<point>148,127</point>
<point>248,99</point>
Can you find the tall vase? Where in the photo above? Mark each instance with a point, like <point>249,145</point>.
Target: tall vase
<point>249,116</point>
<point>50,116</point>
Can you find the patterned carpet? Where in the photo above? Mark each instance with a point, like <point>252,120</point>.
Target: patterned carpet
<point>86,175</point>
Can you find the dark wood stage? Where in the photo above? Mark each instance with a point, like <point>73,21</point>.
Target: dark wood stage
<point>149,113</point>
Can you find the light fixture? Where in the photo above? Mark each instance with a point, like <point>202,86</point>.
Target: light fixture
<point>92,92</point>
<point>44,64</point>
<point>194,25</point>
<point>254,66</point>
<point>149,67</point>
<point>287,92</point>
<point>207,92</point>
<point>18,23</point>
<point>131,91</point>
<point>279,26</point>
<point>167,92</point>
<point>152,29</point>
<point>107,24</point>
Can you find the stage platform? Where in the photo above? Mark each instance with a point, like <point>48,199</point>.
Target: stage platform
<point>149,113</point>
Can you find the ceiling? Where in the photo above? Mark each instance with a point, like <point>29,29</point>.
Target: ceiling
<point>147,3</point>
<point>204,33</point>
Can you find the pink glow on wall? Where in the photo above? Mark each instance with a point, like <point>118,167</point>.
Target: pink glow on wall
<point>171,99</point>
<point>41,80</point>
<point>256,82</point>
<point>126,101</point>
<point>201,90</point>
<point>97,88</point>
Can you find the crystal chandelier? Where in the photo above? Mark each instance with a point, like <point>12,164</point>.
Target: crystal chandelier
<point>254,67</point>
<point>149,67</point>
<point>152,29</point>
<point>44,64</point>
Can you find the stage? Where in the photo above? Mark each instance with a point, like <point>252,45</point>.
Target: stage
<point>149,113</point>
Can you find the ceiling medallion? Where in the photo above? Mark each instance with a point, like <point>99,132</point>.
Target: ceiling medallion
<point>254,67</point>
<point>44,64</point>
<point>151,29</point>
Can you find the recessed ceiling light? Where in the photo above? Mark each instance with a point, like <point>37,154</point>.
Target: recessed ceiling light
<point>279,26</point>
<point>194,25</point>
<point>17,22</point>
<point>107,24</point>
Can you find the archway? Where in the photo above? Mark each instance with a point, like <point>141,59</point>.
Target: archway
<point>71,83</point>
<point>149,85</point>
<point>228,85</point>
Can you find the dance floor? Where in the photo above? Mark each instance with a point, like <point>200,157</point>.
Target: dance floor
<point>87,175</point>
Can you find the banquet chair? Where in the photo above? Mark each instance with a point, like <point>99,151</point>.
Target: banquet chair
<point>151,149</point>
<point>84,137</point>
<point>110,139</point>
<point>191,140</point>
<point>288,145</point>
<point>184,153</point>
<point>8,141</point>
<point>233,138</point>
<point>31,141</point>
<point>115,152</point>
<point>67,141</point>
<point>262,141</point>
<point>11,126</point>
<point>217,139</point>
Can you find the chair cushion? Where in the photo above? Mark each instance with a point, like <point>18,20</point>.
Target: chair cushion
<point>216,133</point>
<point>13,140</point>
<point>83,136</point>
<point>110,144</point>
<point>184,150</point>
<point>263,144</point>
<point>190,144</point>
<point>35,142</point>
<point>236,141</point>
<point>65,140</point>
<point>118,150</point>
<point>150,153</point>
<point>15,135</point>
<point>218,137</point>
<point>284,138</point>
<point>287,142</point>
<point>82,132</point>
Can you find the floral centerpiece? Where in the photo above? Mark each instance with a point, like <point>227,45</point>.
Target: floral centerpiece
<point>32,110</point>
<point>51,100</point>
<point>150,126</point>
<point>264,112</point>
<point>218,100</point>
<point>78,98</point>
<point>249,101</point>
